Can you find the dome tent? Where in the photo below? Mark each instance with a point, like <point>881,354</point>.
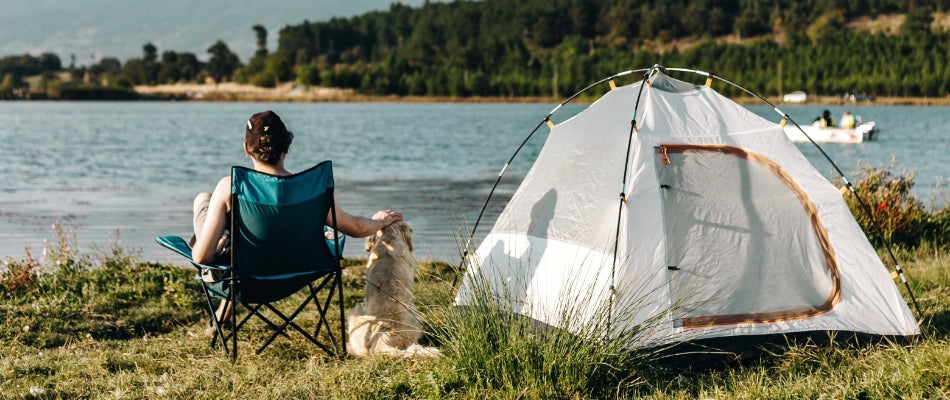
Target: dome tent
<point>722,227</point>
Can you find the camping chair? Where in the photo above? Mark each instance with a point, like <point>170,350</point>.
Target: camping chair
<point>279,246</point>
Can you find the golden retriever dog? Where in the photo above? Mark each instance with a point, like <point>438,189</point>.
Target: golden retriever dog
<point>387,322</point>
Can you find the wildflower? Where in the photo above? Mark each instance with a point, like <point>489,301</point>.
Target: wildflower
<point>26,328</point>
<point>36,391</point>
<point>882,206</point>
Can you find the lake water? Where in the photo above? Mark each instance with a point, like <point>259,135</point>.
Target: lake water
<point>127,171</point>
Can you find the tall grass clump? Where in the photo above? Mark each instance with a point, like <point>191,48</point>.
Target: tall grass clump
<point>494,347</point>
<point>66,296</point>
<point>884,199</point>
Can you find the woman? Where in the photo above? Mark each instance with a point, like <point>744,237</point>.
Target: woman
<point>266,141</point>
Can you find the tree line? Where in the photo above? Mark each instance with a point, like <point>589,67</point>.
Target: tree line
<point>556,47</point>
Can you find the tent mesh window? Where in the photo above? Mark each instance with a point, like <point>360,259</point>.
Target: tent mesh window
<point>739,228</point>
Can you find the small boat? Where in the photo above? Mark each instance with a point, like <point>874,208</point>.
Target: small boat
<point>864,131</point>
<point>795,97</point>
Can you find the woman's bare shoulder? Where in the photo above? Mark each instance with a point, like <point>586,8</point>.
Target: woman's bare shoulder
<point>223,189</point>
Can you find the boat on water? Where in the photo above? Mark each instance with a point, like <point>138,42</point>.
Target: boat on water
<point>863,132</point>
<point>795,97</point>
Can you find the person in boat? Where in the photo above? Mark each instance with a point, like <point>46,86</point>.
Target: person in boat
<point>849,120</point>
<point>825,120</point>
<point>266,142</point>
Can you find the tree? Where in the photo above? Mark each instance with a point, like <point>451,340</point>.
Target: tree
<point>223,62</point>
<point>149,52</point>
<point>150,63</point>
<point>261,33</point>
<point>308,74</point>
<point>50,62</point>
<point>170,71</point>
<point>189,66</point>
<point>917,22</point>
<point>7,86</point>
<point>134,71</point>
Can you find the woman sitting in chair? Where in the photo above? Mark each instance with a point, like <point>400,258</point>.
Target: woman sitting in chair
<point>266,141</point>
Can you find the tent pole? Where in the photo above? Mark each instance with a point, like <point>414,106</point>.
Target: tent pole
<point>623,196</point>
<point>547,119</point>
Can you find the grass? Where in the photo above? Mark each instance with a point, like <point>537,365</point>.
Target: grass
<point>111,326</point>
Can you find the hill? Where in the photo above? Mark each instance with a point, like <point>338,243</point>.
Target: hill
<point>93,29</point>
<point>553,48</point>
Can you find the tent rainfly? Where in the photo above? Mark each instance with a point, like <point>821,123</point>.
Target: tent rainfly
<point>722,227</point>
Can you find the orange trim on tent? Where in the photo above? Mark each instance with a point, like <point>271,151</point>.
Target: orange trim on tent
<point>833,298</point>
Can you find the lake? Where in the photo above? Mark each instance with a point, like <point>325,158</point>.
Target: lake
<point>127,171</point>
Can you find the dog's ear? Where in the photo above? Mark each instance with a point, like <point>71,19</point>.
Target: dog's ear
<point>407,233</point>
<point>371,241</point>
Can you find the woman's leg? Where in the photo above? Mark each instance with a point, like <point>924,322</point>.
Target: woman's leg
<point>200,210</point>
<point>199,214</point>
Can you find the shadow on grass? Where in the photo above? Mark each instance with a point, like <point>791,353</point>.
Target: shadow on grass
<point>729,352</point>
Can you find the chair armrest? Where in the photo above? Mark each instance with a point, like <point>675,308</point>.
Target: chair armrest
<point>178,245</point>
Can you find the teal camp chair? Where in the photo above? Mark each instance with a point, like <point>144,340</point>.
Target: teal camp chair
<point>279,246</point>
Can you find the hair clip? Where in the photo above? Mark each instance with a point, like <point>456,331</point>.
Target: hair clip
<point>266,127</point>
<point>249,126</point>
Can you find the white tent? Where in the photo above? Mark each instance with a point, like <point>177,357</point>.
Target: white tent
<point>704,219</point>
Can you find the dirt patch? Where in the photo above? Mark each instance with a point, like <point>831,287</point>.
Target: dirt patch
<point>891,24</point>
<point>887,24</point>
<point>230,91</point>
<point>292,92</point>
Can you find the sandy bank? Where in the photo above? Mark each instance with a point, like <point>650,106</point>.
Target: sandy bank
<point>230,91</point>
<point>291,92</point>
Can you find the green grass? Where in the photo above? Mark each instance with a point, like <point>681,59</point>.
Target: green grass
<point>111,326</point>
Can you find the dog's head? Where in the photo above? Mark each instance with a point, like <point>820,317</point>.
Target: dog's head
<point>394,233</point>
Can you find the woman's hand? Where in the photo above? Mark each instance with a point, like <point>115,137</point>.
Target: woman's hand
<point>386,217</point>
<point>356,226</point>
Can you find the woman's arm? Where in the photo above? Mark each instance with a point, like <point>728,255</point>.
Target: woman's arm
<point>216,221</point>
<point>356,226</point>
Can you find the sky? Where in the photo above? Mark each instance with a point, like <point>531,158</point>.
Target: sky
<point>92,29</point>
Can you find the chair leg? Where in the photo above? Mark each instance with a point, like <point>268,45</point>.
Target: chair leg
<point>234,325</point>
<point>339,284</point>
<point>334,285</point>
<point>323,309</point>
<point>288,321</point>
<point>217,324</point>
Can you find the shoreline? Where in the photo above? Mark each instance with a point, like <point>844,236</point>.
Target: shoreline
<point>290,92</point>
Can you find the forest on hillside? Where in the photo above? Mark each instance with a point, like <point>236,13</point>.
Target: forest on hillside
<point>555,48</point>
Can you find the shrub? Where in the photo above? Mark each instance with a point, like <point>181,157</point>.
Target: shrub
<point>884,199</point>
<point>17,275</point>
